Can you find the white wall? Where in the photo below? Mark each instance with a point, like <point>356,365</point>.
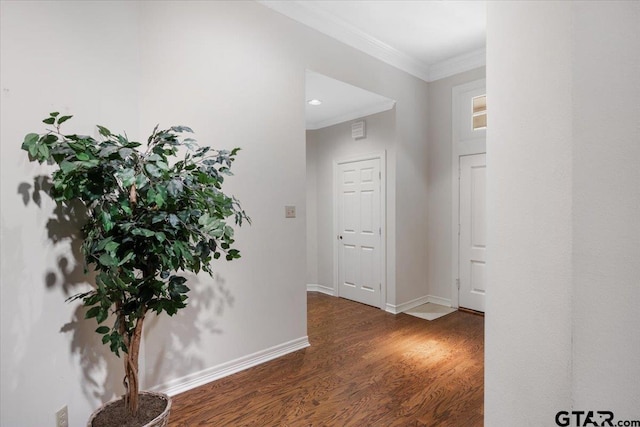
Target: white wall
<point>234,71</point>
<point>411,203</point>
<point>312,214</point>
<point>440,185</point>
<point>324,147</point>
<point>230,76</point>
<point>606,207</point>
<point>563,155</point>
<point>54,59</point>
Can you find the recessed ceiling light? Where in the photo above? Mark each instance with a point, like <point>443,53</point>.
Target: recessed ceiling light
<point>314,102</point>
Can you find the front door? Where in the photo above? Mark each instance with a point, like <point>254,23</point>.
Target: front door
<point>359,231</point>
<point>473,232</point>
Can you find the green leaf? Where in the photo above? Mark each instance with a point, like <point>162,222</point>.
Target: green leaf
<point>204,219</point>
<point>89,163</point>
<point>175,187</point>
<point>103,243</point>
<point>66,166</point>
<point>153,170</point>
<point>142,232</point>
<point>162,165</point>
<point>43,150</point>
<point>63,119</point>
<point>107,223</point>
<point>78,147</point>
<point>107,150</point>
<point>54,114</point>
<point>183,289</point>
<point>180,129</point>
<point>50,120</point>
<point>104,131</point>
<point>33,149</point>
<point>126,208</point>
<point>107,260</point>
<point>111,246</point>
<point>127,176</point>
<point>49,139</point>
<point>129,144</point>
<point>161,196</point>
<point>103,330</point>
<point>92,312</point>
<point>159,217</point>
<point>102,315</point>
<point>126,258</point>
<point>82,156</point>
<point>141,181</point>
<point>151,195</point>
<point>125,152</point>
<point>29,140</point>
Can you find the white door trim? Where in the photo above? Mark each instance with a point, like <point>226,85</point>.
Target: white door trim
<point>462,143</point>
<point>382,156</point>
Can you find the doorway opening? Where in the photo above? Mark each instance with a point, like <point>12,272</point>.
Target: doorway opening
<point>355,157</point>
<point>469,118</point>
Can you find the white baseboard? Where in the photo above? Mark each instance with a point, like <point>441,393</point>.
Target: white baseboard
<point>395,309</point>
<point>440,301</point>
<point>401,308</point>
<point>320,288</point>
<point>208,375</point>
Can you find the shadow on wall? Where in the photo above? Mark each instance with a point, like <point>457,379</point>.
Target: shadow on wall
<point>175,341</point>
<point>64,227</point>
<point>103,372</point>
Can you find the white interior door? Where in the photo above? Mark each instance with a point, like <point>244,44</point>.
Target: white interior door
<point>472,240</point>
<point>359,231</point>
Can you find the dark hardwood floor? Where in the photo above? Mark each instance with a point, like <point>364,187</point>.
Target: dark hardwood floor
<point>365,367</point>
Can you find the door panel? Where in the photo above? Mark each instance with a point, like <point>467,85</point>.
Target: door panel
<point>359,222</point>
<point>472,240</point>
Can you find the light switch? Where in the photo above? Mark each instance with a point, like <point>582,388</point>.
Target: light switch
<point>289,211</point>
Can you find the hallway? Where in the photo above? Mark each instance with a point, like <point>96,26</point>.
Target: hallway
<point>365,367</point>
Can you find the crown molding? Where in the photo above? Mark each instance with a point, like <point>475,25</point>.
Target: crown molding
<point>458,64</point>
<point>355,114</point>
<point>312,16</point>
<point>316,18</point>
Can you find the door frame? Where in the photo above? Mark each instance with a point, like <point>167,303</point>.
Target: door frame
<point>382,156</point>
<point>463,143</point>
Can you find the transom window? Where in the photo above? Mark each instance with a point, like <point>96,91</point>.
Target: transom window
<point>479,112</point>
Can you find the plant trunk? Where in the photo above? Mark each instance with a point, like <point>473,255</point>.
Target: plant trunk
<point>131,368</point>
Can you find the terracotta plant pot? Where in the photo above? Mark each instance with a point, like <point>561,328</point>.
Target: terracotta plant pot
<point>112,414</point>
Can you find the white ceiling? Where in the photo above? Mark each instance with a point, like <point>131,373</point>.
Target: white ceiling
<point>430,39</point>
<point>341,102</point>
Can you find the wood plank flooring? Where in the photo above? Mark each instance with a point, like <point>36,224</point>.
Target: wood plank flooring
<point>365,367</point>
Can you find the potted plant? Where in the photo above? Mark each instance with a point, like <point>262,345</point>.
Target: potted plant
<point>152,210</point>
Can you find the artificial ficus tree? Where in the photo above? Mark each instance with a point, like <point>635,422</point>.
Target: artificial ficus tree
<point>152,211</point>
